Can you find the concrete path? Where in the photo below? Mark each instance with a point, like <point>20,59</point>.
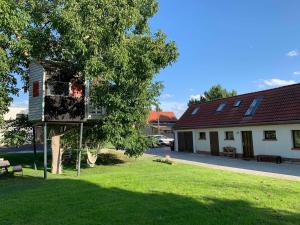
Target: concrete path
<point>284,171</point>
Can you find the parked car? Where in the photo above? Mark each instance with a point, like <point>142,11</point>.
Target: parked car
<point>162,139</point>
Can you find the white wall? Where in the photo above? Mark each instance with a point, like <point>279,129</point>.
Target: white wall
<point>35,105</point>
<point>11,115</point>
<point>282,146</point>
<point>13,111</point>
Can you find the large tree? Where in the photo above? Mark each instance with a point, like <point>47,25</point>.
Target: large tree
<point>215,92</point>
<point>109,41</point>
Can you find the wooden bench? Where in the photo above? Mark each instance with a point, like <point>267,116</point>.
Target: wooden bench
<point>17,169</point>
<point>269,158</point>
<point>229,151</point>
<point>4,164</point>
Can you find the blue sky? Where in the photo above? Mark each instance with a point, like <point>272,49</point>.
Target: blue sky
<point>242,45</point>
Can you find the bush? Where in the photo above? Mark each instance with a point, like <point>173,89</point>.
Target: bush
<point>167,161</point>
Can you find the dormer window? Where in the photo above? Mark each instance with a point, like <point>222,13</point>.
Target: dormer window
<point>194,112</point>
<point>253,107</point>
<point>221,107</point>
<point>237,103</point>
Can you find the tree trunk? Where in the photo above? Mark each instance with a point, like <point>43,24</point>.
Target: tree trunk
<point>57,152</point>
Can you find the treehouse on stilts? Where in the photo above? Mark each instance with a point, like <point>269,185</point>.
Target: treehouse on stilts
<point>58,96</point>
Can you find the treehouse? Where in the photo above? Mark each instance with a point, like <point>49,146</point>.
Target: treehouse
<point>58,95</point>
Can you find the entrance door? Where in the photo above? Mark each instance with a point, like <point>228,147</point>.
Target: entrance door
<point>214,143</point>
<point>247,144</point>
<point>185,141</point>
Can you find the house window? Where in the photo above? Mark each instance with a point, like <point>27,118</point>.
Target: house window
<point>195,111</point>
<point>202,136</point>
<point>296,138</point>
<point>221,107</point>
<point>237,103</point>
<point>253,107</point>
<point>35,89</point>
<point>229,135</point>
<point>270,135</point>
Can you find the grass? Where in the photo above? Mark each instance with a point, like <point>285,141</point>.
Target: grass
<point>131,192</point>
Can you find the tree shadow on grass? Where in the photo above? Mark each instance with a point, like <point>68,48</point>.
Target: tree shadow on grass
<point>109,159</point>
<point>27,160</point>
<point>73,201</point>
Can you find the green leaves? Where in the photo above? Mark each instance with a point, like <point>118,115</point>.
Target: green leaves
<point>17,132</point>
<point>108,41</point>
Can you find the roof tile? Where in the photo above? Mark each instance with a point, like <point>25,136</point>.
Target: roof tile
<point>163,117</point>
<point>278,105</point>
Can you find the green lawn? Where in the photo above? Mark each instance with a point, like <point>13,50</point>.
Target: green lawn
<point>145,192</point>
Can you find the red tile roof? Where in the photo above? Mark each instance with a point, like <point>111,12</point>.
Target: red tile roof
<point>279,105</point>
<point>163,117</point>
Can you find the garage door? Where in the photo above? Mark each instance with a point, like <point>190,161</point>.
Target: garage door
<point>185,141</point>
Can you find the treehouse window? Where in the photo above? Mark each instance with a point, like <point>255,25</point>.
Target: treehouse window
<point>57,88</point>
<point>76,89</point>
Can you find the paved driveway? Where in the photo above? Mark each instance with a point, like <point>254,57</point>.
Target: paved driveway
<point>284,170</point>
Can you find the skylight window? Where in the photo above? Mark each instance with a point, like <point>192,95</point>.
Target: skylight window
<point>253,107</point>
<point>221,107</point>
<point>237,103</point>
<point>195,110</point>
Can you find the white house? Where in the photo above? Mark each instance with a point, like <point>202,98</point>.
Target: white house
<point>161,123</point>
<point>12,114</point>
<point>260,123</point>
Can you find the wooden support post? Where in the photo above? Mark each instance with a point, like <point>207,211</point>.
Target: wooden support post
<point>34,148</point>
<point>45,151</point>
<point>57,151</point>
<point>79,150</point>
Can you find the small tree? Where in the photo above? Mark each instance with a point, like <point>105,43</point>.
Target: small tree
<point>215,92</point>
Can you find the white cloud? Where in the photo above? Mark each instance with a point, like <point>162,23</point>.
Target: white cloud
<point>292,53</point>
<point>297,73</point>
<point>195,96</point>
<point>167,96</point>
<point>177,107</point>
<point>275,82</point>
<point>21,104</point>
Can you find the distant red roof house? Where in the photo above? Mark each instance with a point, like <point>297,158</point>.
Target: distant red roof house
<point>164,117</point>
<point>161,123</point>
<point>274,106</point>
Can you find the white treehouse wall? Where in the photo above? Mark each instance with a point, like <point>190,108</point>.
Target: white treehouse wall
<point>36,72</point>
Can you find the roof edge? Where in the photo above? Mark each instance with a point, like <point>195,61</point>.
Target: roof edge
<point>248,93</point>
<point>239,125</point>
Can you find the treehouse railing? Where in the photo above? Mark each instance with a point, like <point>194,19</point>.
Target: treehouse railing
<point>64,108</point>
